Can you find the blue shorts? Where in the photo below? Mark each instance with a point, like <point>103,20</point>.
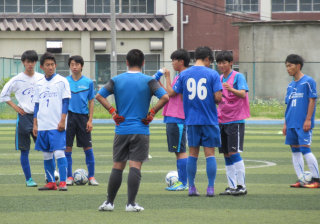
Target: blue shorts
<point>297,136</point>
<point>49,141</point>
<point>204,135</point>
<point>176,137</point>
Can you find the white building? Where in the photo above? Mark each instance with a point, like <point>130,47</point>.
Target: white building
<point>82,27</point>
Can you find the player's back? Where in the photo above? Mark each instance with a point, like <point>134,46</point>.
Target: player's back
<point>198,85</point>
<point>133,92</point>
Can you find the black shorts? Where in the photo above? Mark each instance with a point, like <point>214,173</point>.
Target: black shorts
<point>176,137</point>
<point>24,127</point>
<point>133,147</point>
<point>232,136</point>
<point>77,126</point>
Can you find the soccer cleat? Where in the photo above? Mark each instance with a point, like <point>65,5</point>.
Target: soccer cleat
<point>69,181</point>
<point>31,183</point>
<point>63,186</point>
<point>136,208</point>
<point>228,191</point>
<point>312,185</point>
<point>239,191</point>
<point>210,192</point>
<point>48,186</point>
<point>193,191</point>
<point>93,181</point>
<point>178,186</point>
<point>296,184</point>
<point>106,207</point>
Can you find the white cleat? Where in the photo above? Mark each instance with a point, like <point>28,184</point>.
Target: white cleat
<point>106,207</point>
<point>93,182</point>
<point>69,181</point>
<point>136,208</point>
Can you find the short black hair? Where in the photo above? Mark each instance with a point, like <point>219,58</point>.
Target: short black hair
<point>77,59</point>
<point>203,52</point>
<point>135,57</point>
<point>181,54</point>
<point>295,59</point>
<point>224,56</point>
<point>30,55</point>
<point>47,56</point>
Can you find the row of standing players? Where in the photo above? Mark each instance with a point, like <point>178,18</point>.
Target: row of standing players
<point>200,89</point>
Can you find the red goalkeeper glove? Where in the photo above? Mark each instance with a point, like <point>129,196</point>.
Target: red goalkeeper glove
<point>115,116</point>
<point>150,117</point>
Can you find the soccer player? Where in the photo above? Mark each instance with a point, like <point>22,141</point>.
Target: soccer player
<point>52,94</point>
<point>232,111</point>
<point>299,119</point>
<point>23,87</point>
<point>132,91</point>
<point>174,118</point>
<point>201,88</point>
<point>79,122</point>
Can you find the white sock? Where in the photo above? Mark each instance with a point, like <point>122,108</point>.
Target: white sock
<point>298,163</point>
<point>231,176</point>
<point>240,169</point>
<point>313,164</point>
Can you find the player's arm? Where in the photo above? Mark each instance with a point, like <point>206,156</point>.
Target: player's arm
<point>239,93</point>
<point>62,123</point>
<point>89,123</point>
<point>35,120</point>
<point>16,107</point>
<point>218,97</point>
<point>307,123</point>
<point>284,129</point>
<point>104,102</point>
<point>169,89</point>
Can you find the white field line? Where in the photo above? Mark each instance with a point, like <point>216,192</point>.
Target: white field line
<point>264,164</point>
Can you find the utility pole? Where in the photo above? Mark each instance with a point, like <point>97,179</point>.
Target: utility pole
<point>113,58</point>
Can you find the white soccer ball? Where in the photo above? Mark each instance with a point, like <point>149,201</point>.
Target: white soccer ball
<point>171,178</point>
<point>305,178</point>
<point>80,177</point>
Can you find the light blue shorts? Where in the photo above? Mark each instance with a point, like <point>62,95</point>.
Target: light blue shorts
<point>297,136</point>
<point>49,141</point>
<point>204,135</point>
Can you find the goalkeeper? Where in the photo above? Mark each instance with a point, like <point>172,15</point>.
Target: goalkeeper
<point>132,91</point>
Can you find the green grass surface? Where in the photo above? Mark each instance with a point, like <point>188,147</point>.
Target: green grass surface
<point>269,172</point>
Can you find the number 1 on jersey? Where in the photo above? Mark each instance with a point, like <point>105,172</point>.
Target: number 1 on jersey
<point>294,103</point>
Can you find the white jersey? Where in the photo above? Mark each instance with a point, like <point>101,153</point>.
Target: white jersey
<point>23,87</point>
<point>49,95</point>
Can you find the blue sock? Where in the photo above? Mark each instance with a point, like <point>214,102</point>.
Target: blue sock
<point>24,160</point>
<point>90,162</point>
<point>62,166</point>
<point>211,170</point>
<point>49,169</point>
<point>182,170</point>
<point>69,159</point>
<point>191,169</point>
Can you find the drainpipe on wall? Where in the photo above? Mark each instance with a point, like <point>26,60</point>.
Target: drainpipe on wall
<point>182,23</point>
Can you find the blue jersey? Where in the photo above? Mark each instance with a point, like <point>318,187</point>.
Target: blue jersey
<point>81,92</point>
<point>198,85</point>
<point>132,92</point>
<point>297,100</point>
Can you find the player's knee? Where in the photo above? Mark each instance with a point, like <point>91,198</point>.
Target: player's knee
<point>59,154</point>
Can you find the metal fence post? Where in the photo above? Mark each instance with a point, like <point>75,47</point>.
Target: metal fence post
<point>254,80</point>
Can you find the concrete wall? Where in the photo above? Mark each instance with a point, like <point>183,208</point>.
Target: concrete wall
<point>268,44</point>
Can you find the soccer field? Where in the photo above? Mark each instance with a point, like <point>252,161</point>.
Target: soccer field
<point>269,172</point>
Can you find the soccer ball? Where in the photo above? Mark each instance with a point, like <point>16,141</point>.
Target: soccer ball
<point>80,177</point>
<point>56,177</point>
<point>305,178</point>
<point>171,178</point>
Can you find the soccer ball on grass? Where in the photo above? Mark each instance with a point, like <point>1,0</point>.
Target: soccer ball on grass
<point>305,178</point>
<point>171,178</point>
<point>80,177</point>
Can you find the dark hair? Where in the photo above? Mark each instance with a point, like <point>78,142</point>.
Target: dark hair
<point>47,56</point>
<point>30,55</point>
<point>295,59</point>
<point>77,59</point>
<point>181,54</point>
<point>135,57</point>
<point>203,52</point>
<point>224,56</point>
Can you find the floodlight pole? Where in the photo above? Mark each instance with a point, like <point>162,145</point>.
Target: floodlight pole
<point>113,58</point>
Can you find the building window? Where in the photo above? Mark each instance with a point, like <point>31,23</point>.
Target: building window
<point>103,66</point>
<point>8,6</point>
<point>33,6</point>
<point>242,5</point>
<point>295,5</point>
<point>60,6</point>
<point>309,5</point>
<point>122,6</point>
